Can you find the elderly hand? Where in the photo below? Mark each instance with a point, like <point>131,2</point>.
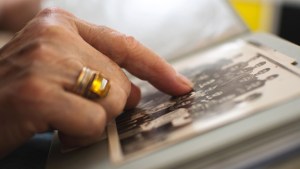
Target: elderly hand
<point>40,66</point>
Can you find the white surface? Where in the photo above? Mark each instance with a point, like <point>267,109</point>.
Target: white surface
<point>169,27</point>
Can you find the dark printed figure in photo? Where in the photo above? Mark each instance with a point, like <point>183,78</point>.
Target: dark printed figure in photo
<point>216,90</point>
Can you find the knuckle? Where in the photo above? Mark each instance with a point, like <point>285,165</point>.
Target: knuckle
<point>43,29</point>
<point>46,12</point>
<point>48,23</point>
<point>51,21</point>
<point>131,44</point>
<point>127,46</point>
<point>52,11</point>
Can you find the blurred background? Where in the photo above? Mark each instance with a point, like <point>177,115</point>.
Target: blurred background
<point>280,17</point>
<point>176,27</point>
<point>173,28</point>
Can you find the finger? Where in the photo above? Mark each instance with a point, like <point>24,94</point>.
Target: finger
<point>134,97</point>
<point>120,85</point>
<point>134,57</point>
<point>75,116</point>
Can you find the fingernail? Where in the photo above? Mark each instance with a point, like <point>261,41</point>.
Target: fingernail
<point>185,80</point>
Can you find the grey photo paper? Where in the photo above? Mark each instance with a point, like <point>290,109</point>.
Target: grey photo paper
<point>231,82</point>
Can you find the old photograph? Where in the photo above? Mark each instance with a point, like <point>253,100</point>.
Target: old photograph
<point>231,87</point>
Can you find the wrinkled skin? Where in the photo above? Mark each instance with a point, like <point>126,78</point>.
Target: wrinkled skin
<point>39,68</point>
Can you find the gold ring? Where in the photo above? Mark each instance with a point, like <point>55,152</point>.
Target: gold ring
<point>91,84</point>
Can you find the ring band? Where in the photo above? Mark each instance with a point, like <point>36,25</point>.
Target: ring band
<point>91,84</point>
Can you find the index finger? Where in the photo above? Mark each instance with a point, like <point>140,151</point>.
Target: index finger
<point>134,57</point>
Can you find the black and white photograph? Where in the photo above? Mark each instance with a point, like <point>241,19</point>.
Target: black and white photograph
<point>234,86</point>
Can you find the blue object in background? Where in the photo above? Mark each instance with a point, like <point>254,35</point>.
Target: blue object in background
<point>32,155</point>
